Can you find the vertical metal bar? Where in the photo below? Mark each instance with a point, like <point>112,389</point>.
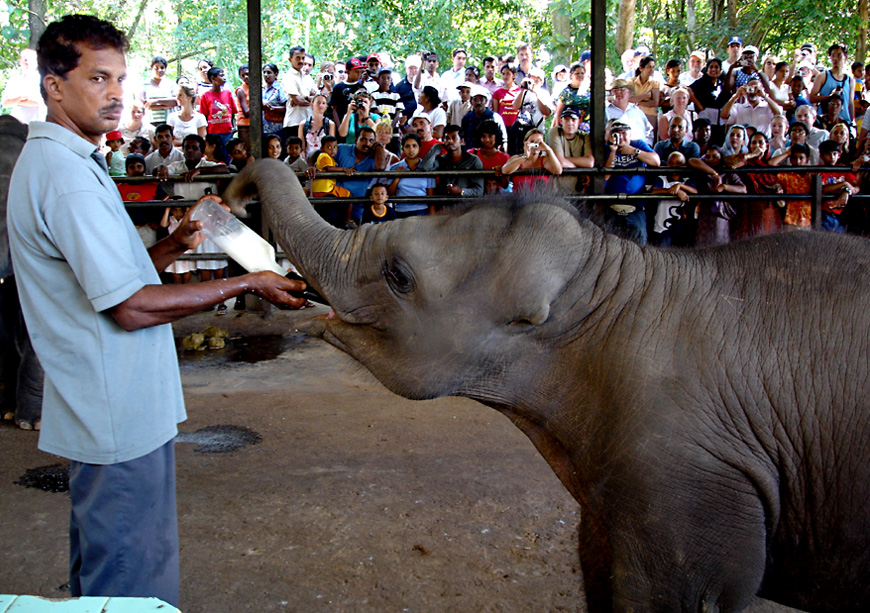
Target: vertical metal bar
<point>816,191</point>
<point>597,87</point>
<point>255,81</point>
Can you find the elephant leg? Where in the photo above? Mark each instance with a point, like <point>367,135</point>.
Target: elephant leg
<point>8,354</point>
<point>29,378</point>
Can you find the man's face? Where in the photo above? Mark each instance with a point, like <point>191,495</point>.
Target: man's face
<point>136,169</point>
<point>478,104</point>
<point>297,59</point>
<point>489,70</point>
<point>694,64</point>
<point>431,65</point>
<point>92,94</point>
<point>524,56</point>
<point>838,58</point>
<point>835,105</point>
<point>307,65</point>
<point>464,93</point>
<point>353,75</point>
<point>453,142</point>
<point>797,87</point>
<point>858,72</point>
<point>192,152</point>
<point>219,79</point>
<point>245,75</point>
<point>330,148</point>
<point>622,137</point>
<point>830,158</point>
<point>570,125</point>
<point>364,142</point>
<point>703,134</point>
<point>379,194</point>
<point>748,56</point>
<point>459,61</point>
<point>804,114</point>
<point>158,70</point>
<point>239,152</point>
<point>753,88</point>
<point>621,97</point>
<point>374,66</point>
<point>734,50</point>
<point>412,71</point>
<point>677,130</point>
<point>423,129</point>
<point>164,142</point>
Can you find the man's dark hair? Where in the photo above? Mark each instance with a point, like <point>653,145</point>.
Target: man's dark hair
<point>799,124</point>
<point>144,144</point>
<point>241,68</point>
<point>58,50</point>
<point>293,140</point>
<point>828,146</point>
<point>212,73</point>
<point>363,130</point>
<point>296,49</point>
<point>455,51</point>
<point>450,128</point>
<point>157,59</point>
<point>701,122</point>
<point>233,143</point>
<point>199,141</point>
<point>164,127</point>
<point>410,136</point>
<point>311,56</point>
<point>488,58</point>
<point>491,127</point>
<point>857,65</point>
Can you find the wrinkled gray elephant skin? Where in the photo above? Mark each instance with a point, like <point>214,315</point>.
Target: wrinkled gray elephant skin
<point>709,410</point>
<point>21,375</point>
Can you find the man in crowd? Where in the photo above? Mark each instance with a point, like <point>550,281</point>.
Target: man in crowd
<point>696,63</point>
<point>525,55</point>
<point>429,75</point>
<point>572,148</point>
<point>158,95</point>
<point>405,87</point>
<point>166,153</point>
<point>479,113</point>
<point>455,76</point>
<point>358,157</point>
<point>677,142</point>
<point>701,135</point>
<point>422,126</point>
<point>299,89</point>
<point>746,70</point>
<point>343,92</point>
<point>490,81</point>
<point>387,102</point>
<point>373,68</point>
<point>757,111</point>
<point>456,158</point>
<point>627,112</point>
<point>84,274</point>
<point>735,48</point>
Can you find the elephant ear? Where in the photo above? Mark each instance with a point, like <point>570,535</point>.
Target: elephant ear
<point>542,256</point>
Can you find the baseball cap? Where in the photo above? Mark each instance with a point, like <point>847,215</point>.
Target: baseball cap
<point>570,112</point>
<point>751,48</point>
<point>383,70</point>
<point>413,60</point>
<point>698,54</point>
<point>354,63</point>
<point>809,47</point>
<point>537,73</point>
<point>619,126</point>
<point>114,135</point>
<point>467,84</point>
<point>479,90</point>
<point>373,56</point>
<point>735,40</point>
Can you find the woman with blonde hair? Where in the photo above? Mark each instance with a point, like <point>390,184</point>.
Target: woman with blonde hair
<point>537,155</point>
<point>188,120</point>
<point>680,103</point>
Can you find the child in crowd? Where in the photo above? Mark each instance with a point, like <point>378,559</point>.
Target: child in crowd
<point>491,186</point>
<point>798,213</point>
<point>144,219</point>
<point>219,107</point>
<point>841,185</point>
<point>114,158</point>
<point>140,145</point>
<point>670,215</point>
<point>379,210</point>
<point>180,269</point>
<point>326,163</point>
<point>858,74</point>
<point>239,156</point>
<point>294,157</point>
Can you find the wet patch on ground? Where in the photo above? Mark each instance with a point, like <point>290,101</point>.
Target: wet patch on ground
<point>52,478</point>
<point>219,439</point>
<point>239,349</point>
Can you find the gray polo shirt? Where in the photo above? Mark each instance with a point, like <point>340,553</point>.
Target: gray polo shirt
<point>110,395</point>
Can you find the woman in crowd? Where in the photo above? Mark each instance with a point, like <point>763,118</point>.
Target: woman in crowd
<point>841,134</point>
<point>203,85</point>
<point>317,126</point>
<point>780,89</point>
<point>830,115</point>
<point>560,78</point>
<point>502,99</point>
<point>409,187</point>
<point>673,70</point>
<point>756,217</point>
<point>680,102</point>
<point>273,146</point>
<point>768,66</point>
<point>714,217</point>
<point>243,103</point>
<point>429,104</point>
<point>572,95</point>
<point>537,156</point>
<point>472,74</point>
<point>735,144</point>
<point>647,91</point>
<point>274,101</point>
<point>359,114</point>
<point>383,136</point>
<point>709,95</point>
<point>188,120</point>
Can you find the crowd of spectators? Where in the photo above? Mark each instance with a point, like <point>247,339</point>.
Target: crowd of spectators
<point>704,117</point>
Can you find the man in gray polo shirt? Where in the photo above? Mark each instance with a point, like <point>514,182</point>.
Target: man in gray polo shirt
<point>98,319</point>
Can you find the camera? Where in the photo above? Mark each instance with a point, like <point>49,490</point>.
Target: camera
<point>328,77</point>
<point>534,146</point>
<point>751,90</point>
<point>526,84</point>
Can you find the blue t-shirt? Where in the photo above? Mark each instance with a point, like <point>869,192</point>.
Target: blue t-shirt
<point>411,186</point>
<point>110,395</point>
<point>627,183</point>
<point>346,158</point>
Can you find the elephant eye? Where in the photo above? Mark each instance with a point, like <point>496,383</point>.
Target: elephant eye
<point>398,277</point>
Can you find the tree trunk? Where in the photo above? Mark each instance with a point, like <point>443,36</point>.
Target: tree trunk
<point>563,49</point>
<point>691,24</point>
<point>625,25</point>
<point>732,14</point>
<point>861,44</point>
<point>132,31</point>
<point>36,20</point>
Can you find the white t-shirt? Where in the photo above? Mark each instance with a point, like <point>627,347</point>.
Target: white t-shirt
<point>436,116</point>
<point>181,128</point>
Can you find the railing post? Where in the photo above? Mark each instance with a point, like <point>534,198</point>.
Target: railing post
<point>817,200</point>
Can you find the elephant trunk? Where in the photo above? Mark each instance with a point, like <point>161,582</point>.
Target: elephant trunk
<point>314,246</point>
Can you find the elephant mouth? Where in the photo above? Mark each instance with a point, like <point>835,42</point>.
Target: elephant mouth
<point>320,326</point>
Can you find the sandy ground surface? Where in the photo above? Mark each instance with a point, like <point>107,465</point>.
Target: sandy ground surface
<point>353,500</point>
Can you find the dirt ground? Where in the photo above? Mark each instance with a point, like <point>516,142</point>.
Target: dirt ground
<point>353,500</point>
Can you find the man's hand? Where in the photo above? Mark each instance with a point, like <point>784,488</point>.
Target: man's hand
<point>187,234</point>
<point>188,178</point>
<point>162,172</point>
<point>453,190</point>
<point>275,288</point>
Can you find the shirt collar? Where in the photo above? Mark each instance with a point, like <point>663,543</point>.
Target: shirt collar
<point>57,133</point>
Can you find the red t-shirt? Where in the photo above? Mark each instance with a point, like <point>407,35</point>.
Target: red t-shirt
<point>505,98</point>
<point>219,109</point>
<point>498,159</point>
<point>138,192</point>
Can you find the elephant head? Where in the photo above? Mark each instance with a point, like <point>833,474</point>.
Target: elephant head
<point>442,305</point>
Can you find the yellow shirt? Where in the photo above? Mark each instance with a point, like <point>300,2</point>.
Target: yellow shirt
<point>323,185</point>
<point>645,88</point>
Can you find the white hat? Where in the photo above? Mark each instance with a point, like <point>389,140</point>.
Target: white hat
<point>751,49</point>
<point>479,90</point>
<point>467,84</point>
